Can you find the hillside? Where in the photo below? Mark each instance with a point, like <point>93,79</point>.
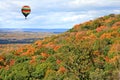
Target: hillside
<point>88,51</point>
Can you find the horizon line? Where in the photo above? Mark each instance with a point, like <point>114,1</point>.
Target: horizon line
<point>35,28</point>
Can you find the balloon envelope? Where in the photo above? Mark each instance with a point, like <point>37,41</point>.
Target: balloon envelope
<point>26,10</point>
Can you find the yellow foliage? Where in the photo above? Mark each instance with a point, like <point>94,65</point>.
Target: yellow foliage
<point>105,35</point>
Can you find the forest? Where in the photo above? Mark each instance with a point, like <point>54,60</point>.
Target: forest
<point>88,51</point>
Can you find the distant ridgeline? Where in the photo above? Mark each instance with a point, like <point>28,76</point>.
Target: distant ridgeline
<point>15,41</point>
<point>4,32</point>
<point>88,51</point>
<point>33,30</point>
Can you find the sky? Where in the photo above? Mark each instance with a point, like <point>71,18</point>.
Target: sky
<point>51,14</point>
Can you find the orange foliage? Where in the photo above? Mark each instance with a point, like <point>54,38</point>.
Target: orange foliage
<point>97,53</point>
<point>1,58</point>
<point>7,67</point>
<point>115,34</point>
<point>72,34</point>
<point>33,60</point>
<point>114,27</point>
<point>115,48</point>
<point>107,20</point>
<point>79,35</point>
<point>45,55</point>
<point>34,57</point>
<point>20,50</point>
<point>101,28</point>
<point>56,48</point>
<point>88,22</point>
<point>92,36</point>
<point>62,69</point>
<point>116,24</point>
<point>105,35</point>
<point>42,60</point>
<point>114,59</point>
<point>85,37</point>
<point>30,51</point>
<point>38,43</point>
<point>50,45</point>
<point>1,67</point>
<point>77,26</point>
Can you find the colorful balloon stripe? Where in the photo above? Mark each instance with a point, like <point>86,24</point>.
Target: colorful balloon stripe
<point>26,10</point>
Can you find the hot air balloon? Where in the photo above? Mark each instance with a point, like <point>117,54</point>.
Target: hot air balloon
<point>26,11</point>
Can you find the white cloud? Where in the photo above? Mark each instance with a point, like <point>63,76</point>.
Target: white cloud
<point>55,13</point>
<point>83,3</point>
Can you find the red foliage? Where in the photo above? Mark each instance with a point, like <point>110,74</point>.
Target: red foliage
<point>107,59</point>
<point>58,61</point>
<point>12,62</point>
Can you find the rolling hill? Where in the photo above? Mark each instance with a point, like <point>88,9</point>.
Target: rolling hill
<point>88,51</point>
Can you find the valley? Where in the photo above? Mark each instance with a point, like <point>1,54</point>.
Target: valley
<point>12,39</point>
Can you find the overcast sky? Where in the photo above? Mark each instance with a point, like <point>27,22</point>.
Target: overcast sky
<point>54,13</point>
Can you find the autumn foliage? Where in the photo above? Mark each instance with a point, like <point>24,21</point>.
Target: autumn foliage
<point>88,51</point>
